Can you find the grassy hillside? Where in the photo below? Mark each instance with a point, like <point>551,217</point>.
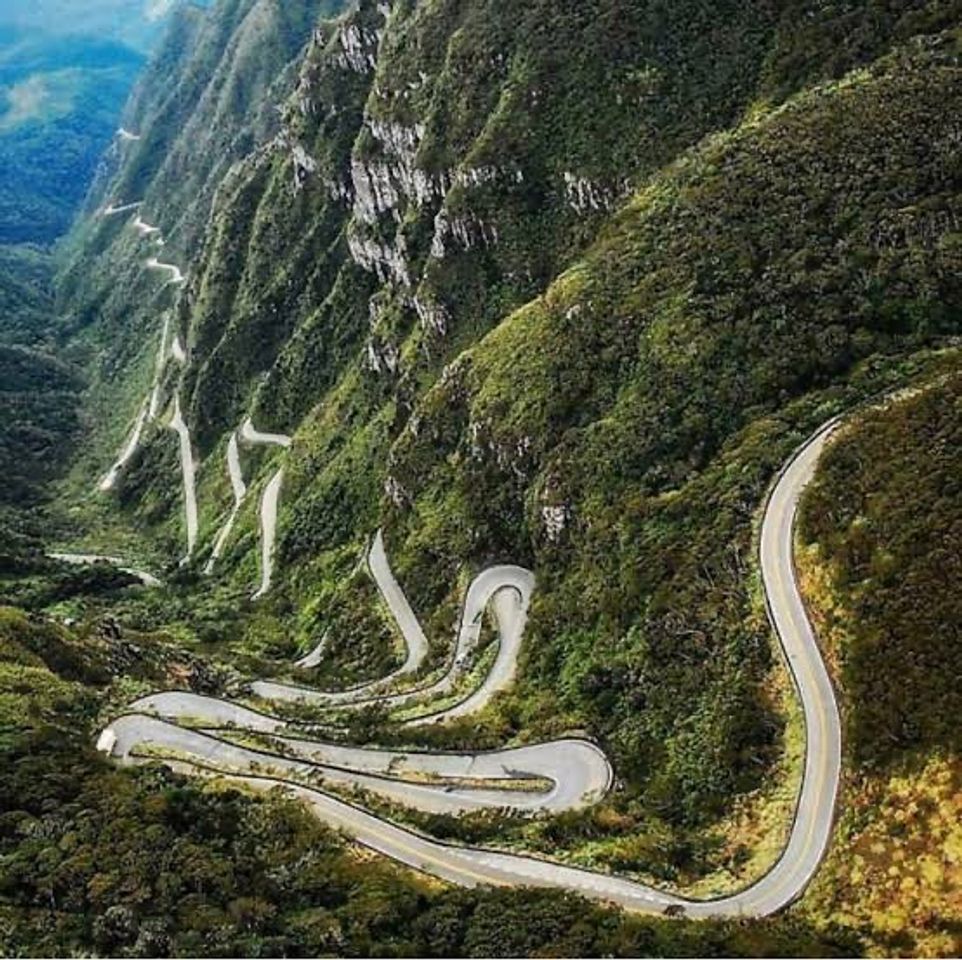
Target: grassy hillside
<point>882,528</point>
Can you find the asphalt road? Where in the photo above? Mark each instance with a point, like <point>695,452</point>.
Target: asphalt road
<point>574,770</point>
<point>269,502</point>
<point>130,448</point>
<point>91,560</point>
<point>269,507</point>
<point>508,589</point>
<point>546,778</point>
<point>254,437</point>
<point>151,406</point>
<point>239,488</point>
<point>175,273</point>
<point>189,471</point>
<point>154,405</point>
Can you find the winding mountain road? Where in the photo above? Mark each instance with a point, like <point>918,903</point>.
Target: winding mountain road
<point>253,436</point>
<point>269,507</point>
<point>176,277</point>
<point>548,778</point>
<point>507,589</point>
<point>130,448</point>
<point>161,363</point>
<point>113,210</point>
<point>150,409</point>
<point>145,229</point>
<point>564,774</point>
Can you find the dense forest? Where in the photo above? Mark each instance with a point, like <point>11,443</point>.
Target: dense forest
<point>60,98</point>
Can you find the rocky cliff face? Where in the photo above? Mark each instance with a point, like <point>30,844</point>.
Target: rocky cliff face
<point>543,282</point>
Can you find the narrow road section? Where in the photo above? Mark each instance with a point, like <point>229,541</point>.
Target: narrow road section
<point>239,487</point>
<point>176,277</point>
<point>189,472</point>
<point>109,482</point>
<point>270,502</point>
<point>93,560</point>
<point>113,210</point>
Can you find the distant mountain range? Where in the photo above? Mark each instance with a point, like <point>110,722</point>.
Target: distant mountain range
<point>134,23</point>
<point>65,71</point>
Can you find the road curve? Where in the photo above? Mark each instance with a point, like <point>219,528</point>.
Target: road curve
<point>255,438</point>
<point>416,644</point>
<point>144,228</point>
<point>91,560</point>
<point>130,448</point>
<point>811,828</point>
<point>269,502</point>
<point>269,507</point>
<point>176,277</point>
<point>547,778</point>
<point>508,589</point>
<point>150,409</point>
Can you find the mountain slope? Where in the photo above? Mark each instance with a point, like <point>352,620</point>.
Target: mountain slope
<point>562,287</point>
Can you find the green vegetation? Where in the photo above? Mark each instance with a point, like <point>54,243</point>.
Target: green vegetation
<point>39,422</point>
<point>560,286</point>
<point>758,252</point>
<point>59,103</point>
<point>881,526</point>
<point>886,515</point>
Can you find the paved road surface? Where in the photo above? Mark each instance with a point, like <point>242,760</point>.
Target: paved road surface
<point>127,454</point>
<point>239,488</point>
<point>176,276</point>
<point>143,228</point>
<point>254,437</point>
<point>91,559</point>
<point>113,210</point>
<point>151,406</point>
<point>154,406</point>
<point>189,471</point>
<point>269,502</point>
<point>546,778</point>
<point>269,507</point>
